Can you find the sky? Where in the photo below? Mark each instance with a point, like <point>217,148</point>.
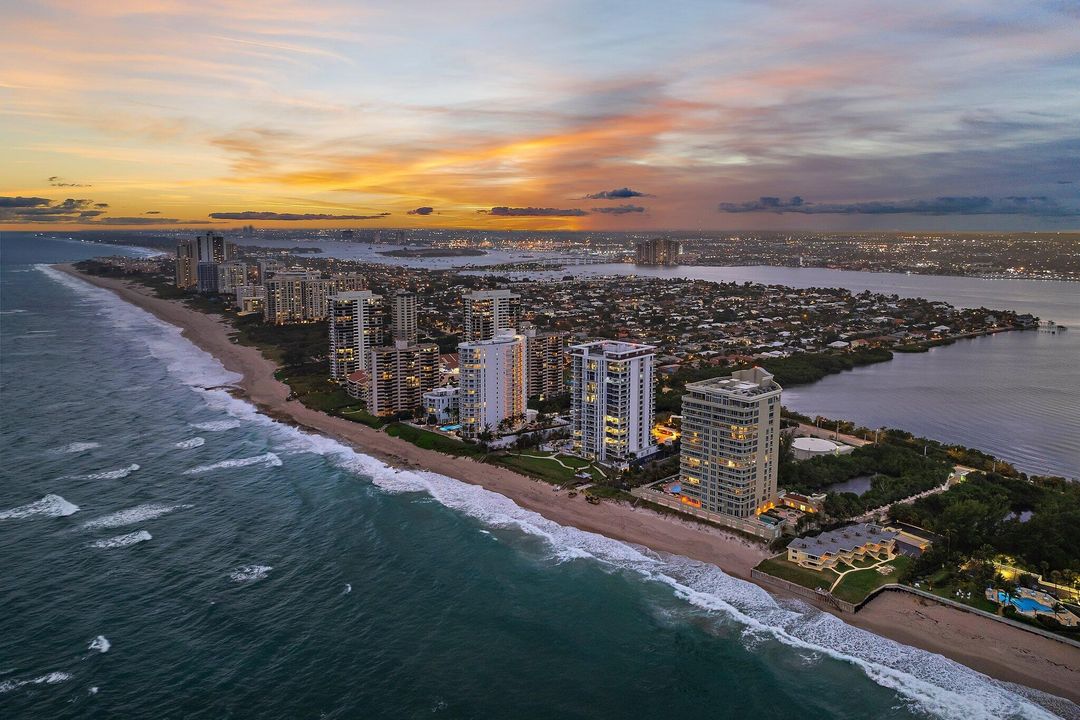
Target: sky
<point>765,114</point>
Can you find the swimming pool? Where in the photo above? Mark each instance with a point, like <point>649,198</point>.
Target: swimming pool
<point>450,428</point>
<point>1023,604</point>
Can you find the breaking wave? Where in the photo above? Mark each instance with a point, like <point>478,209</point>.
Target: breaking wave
<point>52,678</point>
<point>113,474</point>
<point>216,425</point>
<point>249,573</point>
<point>133,515</point>
<point>269,459</point>
<point>191,444</point>
<point>100,643</point>
<point>49,506</point>
<point>122,540</point>
<point>77,447</point>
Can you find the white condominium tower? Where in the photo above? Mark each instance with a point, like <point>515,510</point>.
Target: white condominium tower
<point>492,382</point>
<point>730,443</point>
<point>489,311</point>
<point>403,317</point>
<point>355,328</point>
<point>612,400</point>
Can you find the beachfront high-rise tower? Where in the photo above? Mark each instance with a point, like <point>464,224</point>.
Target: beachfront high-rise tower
<point>489,311</point>
<point>187,260</point>
<point>730,443</point>
<point>403,317</point>
<point>612,400</point>
<point>545,360</point>
<point>400,374</point>
<point>294,296</point>
<point>355,328</point>
<point>492,383</point>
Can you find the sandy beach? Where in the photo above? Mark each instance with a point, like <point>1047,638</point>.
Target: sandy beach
<point>995,649</point>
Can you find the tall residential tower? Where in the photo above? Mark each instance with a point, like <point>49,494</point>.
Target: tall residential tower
<point>730,443</point>
<point>489,311</point>
<point>612,400</point>
<point>355,328</point>
<point>492,383</point>
<point>403,317</point>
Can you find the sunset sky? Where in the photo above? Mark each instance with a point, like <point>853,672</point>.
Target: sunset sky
<point>498,114</point>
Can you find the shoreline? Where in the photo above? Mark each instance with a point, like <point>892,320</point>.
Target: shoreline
<point>1002,652</point>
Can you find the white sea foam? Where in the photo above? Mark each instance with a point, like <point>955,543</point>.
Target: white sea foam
<point>12,312</point>
<point>92,691</point>
<point>249,573</point>
<point>117,474</point>
<point>216,425</point>
<point>269,459</point>
<point>191,444</point>
<point>100,643</point>
<point>49,506</point>
<point>931,682</point>
<point>52,678</point>
<point>122,540</point>
<point>164,341</point>
<point>348,589</point>
<point>136,514</point>
<point>76,447</point>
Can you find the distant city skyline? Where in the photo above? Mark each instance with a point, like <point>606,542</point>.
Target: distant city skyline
<point>842,115</point>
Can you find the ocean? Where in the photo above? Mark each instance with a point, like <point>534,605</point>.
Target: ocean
<point>167,552</point>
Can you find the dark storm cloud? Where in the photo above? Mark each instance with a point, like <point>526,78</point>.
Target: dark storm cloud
<point>503,211</point>
<point>1039,206</point>
<point>139,220</point>
<point>21,202</point>
<point>57,181</point>
<point>257,215</point>
<point>42,210</point>
<point>619,209</point>
<point>421,211</point>
<point>619,194</point>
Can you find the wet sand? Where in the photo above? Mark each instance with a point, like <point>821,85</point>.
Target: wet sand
<point>992,648</point>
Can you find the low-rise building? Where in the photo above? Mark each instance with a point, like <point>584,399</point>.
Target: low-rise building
<point>443,403</point>
<point>846,545</point>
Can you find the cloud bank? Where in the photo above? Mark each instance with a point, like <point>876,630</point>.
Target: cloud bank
<point>619,209</point>
<point>421,211</point>
<point>1038,206</point>
<point>262,215</point>
<point>619,194</point>
<point>503,211</point>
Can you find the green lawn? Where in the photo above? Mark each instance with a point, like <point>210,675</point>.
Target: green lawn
<point>433,441</point>
<point>857,585</point>
<point>547,469</point>
<point>357,413</point>
<point>780,567</point>
<point>978,599</point>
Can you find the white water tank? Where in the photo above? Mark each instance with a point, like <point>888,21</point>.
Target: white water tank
<point>811,447</point>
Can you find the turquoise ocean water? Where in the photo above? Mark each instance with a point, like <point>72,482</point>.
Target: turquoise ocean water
<point>166,552</point>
